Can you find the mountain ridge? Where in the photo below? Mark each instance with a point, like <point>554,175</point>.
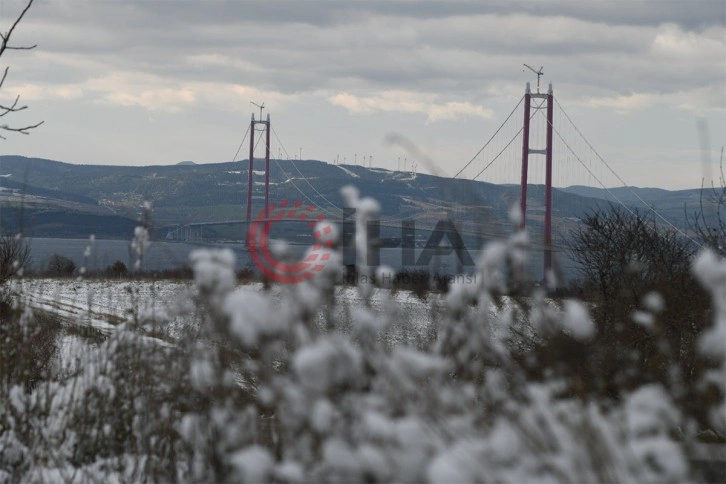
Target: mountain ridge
<point>213,192</point>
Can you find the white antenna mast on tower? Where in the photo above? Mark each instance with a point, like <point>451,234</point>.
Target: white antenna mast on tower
<point>539,73</point>
<point>261,106</point>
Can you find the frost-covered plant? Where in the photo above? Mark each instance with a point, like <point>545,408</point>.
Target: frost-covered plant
<point>27,344</point>
<point>14,259</point>
<point>711,272</point>
<point>274,386</point>
<point>142,239</point>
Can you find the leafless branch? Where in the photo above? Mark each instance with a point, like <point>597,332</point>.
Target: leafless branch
<point>23,47</point>
<point>5,74</point>
<point>708,222</point>
<point>23,130</point>
<point>11,109</point>
<point>14,255</point>
<point>6,36</point>
<point>15,106</point>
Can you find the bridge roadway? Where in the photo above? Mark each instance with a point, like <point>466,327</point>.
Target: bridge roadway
<point>192,232</point>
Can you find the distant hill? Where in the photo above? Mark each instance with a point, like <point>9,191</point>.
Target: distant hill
<point>635,194</point>
<point>189,193</point>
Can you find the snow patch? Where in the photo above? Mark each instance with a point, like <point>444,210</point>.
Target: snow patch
<point>576,320</point>
<point>348,172</point>
<point>250,316</point>
<point>329,362</point>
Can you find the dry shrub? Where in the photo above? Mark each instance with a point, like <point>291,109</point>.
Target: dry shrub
<point>269,386</point>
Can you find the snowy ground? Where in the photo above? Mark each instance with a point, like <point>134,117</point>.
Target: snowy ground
<point>103,304</point>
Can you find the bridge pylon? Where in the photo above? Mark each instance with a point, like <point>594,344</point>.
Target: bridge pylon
<point>250,178</point>
<point>547,152</point>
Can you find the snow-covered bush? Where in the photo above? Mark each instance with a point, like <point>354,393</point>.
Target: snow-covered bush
<point>270,386</point>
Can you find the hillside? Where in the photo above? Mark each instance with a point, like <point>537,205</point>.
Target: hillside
<point>192,193</point>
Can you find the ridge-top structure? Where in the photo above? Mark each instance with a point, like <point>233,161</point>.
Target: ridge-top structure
<point>250,179</point>
<point>548,99</point>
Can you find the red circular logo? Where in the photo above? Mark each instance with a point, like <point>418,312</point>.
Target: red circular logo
<point>317,256</point>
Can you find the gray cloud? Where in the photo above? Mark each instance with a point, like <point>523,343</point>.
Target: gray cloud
<point>457,46</point>
<point>695,14</point>
<point>433,61</point>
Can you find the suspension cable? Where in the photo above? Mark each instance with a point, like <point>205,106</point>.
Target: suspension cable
<point>259,138</point>
<point>303,178</point>
<point>674,227</point>
<point>490,139</point>
<point>510,141</point>
<point>241,143</point>
<point>499,154</point>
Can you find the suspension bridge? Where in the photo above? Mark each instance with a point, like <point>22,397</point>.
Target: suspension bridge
<point>534,158</point>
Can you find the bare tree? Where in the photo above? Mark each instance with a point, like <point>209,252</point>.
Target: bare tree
<point>61,266</point>
<point>14,256</point>
<point>708,221</point>
<point>622,253</point>
<point>15,106</point>
<point>14,250</point>
<point>623,256</point>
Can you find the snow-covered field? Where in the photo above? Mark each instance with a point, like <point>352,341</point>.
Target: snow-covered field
<point>407,418</point>
<point>103,304</point>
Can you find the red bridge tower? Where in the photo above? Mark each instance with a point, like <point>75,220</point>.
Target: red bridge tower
<point>250,178</point>
<point>526,151</point>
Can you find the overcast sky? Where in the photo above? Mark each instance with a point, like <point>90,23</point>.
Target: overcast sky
<point>157,82</point>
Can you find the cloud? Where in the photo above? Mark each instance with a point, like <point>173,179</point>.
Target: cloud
<point>152,93</point>
<point>433,60</point>
<point>37,92</point>
<point>461,48</point>
<point>623,104</point>
<point>694,100</point>
<point>147,91</point>
<point>406,102</point>
<point>211,60</point>
<point>674,42</point>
